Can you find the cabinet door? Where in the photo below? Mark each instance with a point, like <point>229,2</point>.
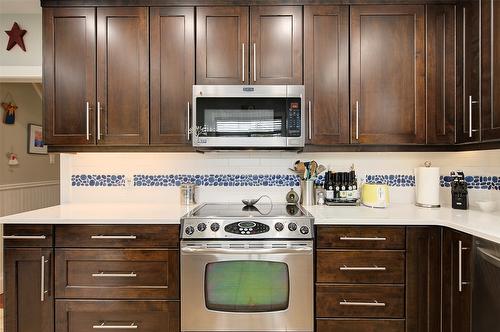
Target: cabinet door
<point>28,307</point>
<point>457,261</point>
<point>468,67</point>
<point>172,73</point>
<point>276,37</point>
<point>490,43</point>
<point>326,73</point>
<point>388,74</point>
<point>122,75</point>
<point>441,74</point>
<point>69,77</point>
<point>222,45</point>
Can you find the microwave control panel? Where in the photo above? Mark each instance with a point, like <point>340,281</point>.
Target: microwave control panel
<point>294,119</point>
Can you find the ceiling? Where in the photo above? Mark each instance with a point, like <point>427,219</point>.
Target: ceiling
<point>20,7</point>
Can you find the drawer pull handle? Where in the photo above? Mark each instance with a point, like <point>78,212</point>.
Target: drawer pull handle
<point>24,237</point>
<point>363,268</point>
<point>113,237</point>
<point>114,275</point>
<point>103,325</point>
<point>349,238</point>
<point>375,303</point>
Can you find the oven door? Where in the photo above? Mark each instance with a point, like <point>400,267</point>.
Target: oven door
<point>235,286</point>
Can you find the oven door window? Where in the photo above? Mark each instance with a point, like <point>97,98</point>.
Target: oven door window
<point>248,117</point>
<point>247,286</point>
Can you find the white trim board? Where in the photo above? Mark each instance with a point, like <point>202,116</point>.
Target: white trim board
<point>21,74</point>
<point>4,187</point>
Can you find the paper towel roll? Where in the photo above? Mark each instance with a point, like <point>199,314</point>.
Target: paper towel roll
<point>427,186</point>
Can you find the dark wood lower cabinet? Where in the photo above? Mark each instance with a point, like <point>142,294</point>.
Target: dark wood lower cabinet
<point>28,307</point>
<point>360,325</point>
<point>143,316</point>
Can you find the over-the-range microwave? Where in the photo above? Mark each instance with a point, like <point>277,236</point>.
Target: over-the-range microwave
<point>248,116</point>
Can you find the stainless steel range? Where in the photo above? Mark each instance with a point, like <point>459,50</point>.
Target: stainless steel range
<point>247,268</point>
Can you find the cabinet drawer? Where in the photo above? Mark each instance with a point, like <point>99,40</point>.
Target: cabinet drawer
<point>346,266</point>
<point>34,236</point>
<point>118,273</point>
<point>143,316</point>
<point>361,237</point>
<point>357,325</point>
<point>370,301</point>
<point>112,236</point>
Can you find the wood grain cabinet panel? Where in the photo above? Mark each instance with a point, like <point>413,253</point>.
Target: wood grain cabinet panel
<point>222,45</point>
<point>360,301</point>
<point>123,75</point>
<point>355,237</point>
<point>172,73</point>
<point>358,325</point>
<point>117,274</point>
<point>468,72</point>
<point>25,272</point>
<point>490,70</point>
<point>143,316</point>
<point>441,62</point>
<point>326,73</point>
<point>69,77</point>
<point>388,74</point>
<point>362,266</point>
<point>276,38</point>
<point>32,236</point>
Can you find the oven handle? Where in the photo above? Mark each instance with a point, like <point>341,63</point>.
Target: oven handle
<point>189,250</point>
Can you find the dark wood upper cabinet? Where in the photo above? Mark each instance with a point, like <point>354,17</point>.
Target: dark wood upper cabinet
<point>441,56</point>
<point>222,48</point>
<point>69,76</point>
<point>276,38</point>
<point>326,73</point>
<point>457,275</point>
<point>468,72</point>
<point>123,75</point>
<point>26,309</point>
<point>172,73</point>
<point>388,74</point>
<point>490,71</point>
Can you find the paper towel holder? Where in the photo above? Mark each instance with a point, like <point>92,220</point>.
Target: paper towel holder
<point>427,164</point>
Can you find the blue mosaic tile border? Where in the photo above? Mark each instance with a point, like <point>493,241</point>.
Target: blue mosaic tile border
<point>475,182</point>
<point>214,180</point>
<point>92,180</point>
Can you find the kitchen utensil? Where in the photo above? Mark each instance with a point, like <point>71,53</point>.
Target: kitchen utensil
<point>375,195</point>
<point>427,186</point>
<point>459,191</point>
<point>253,201</point>
<point>307,195</point>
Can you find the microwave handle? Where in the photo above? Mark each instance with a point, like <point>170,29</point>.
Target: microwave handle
<point>309,114</point>
<point>257,251</point>
<point>188,121</point>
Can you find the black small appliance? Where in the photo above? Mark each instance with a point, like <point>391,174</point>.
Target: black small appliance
<point>459,193</point>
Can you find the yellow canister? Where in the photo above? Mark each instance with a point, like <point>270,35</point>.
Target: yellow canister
<point>375,195</point>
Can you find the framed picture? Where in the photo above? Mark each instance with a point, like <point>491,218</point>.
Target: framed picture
<point>36,145</point>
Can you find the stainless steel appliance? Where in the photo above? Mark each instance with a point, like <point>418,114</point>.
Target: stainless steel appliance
<point>247,269</point>
<point>254,116</point>
<point>486,286</point>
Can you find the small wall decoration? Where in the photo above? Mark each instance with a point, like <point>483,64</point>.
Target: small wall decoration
<point>10,113</point>
<point>16,35</point>
<point>13,161</point>
<point>36,144</point>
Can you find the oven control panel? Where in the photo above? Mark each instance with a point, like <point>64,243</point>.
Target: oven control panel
<point>247,228</point>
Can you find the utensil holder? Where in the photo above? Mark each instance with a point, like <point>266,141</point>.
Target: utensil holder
<point>307,194</point>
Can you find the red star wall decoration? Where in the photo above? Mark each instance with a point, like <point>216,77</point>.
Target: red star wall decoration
<point>16,35</point>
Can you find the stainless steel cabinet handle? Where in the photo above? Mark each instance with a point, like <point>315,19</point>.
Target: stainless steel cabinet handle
<point>188,120</point>
<point>114,275</point>
<point>98,121</point>
<point>375,303</point>
<point>461,283</point>
<point>470,114</point>
<point>42,278</point>
<point>349,238</point>
<point>24,237</point>
<point>357,120</point>
<point>126,326</point>
<point>243,62</point>
<point>113,237</point>
<point>87,119</point>
<point>254,62</point>
<point>363,268</point>
<point>310,120</point>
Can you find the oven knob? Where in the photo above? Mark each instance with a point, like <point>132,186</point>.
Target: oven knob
<point>292,227</point>
<point>214,227</point>
<point>279,226</point>
<point>189,230</point>
<point>304,230</point>
<point>202,226</point>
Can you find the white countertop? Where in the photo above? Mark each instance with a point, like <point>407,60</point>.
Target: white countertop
<point>477,223</point>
